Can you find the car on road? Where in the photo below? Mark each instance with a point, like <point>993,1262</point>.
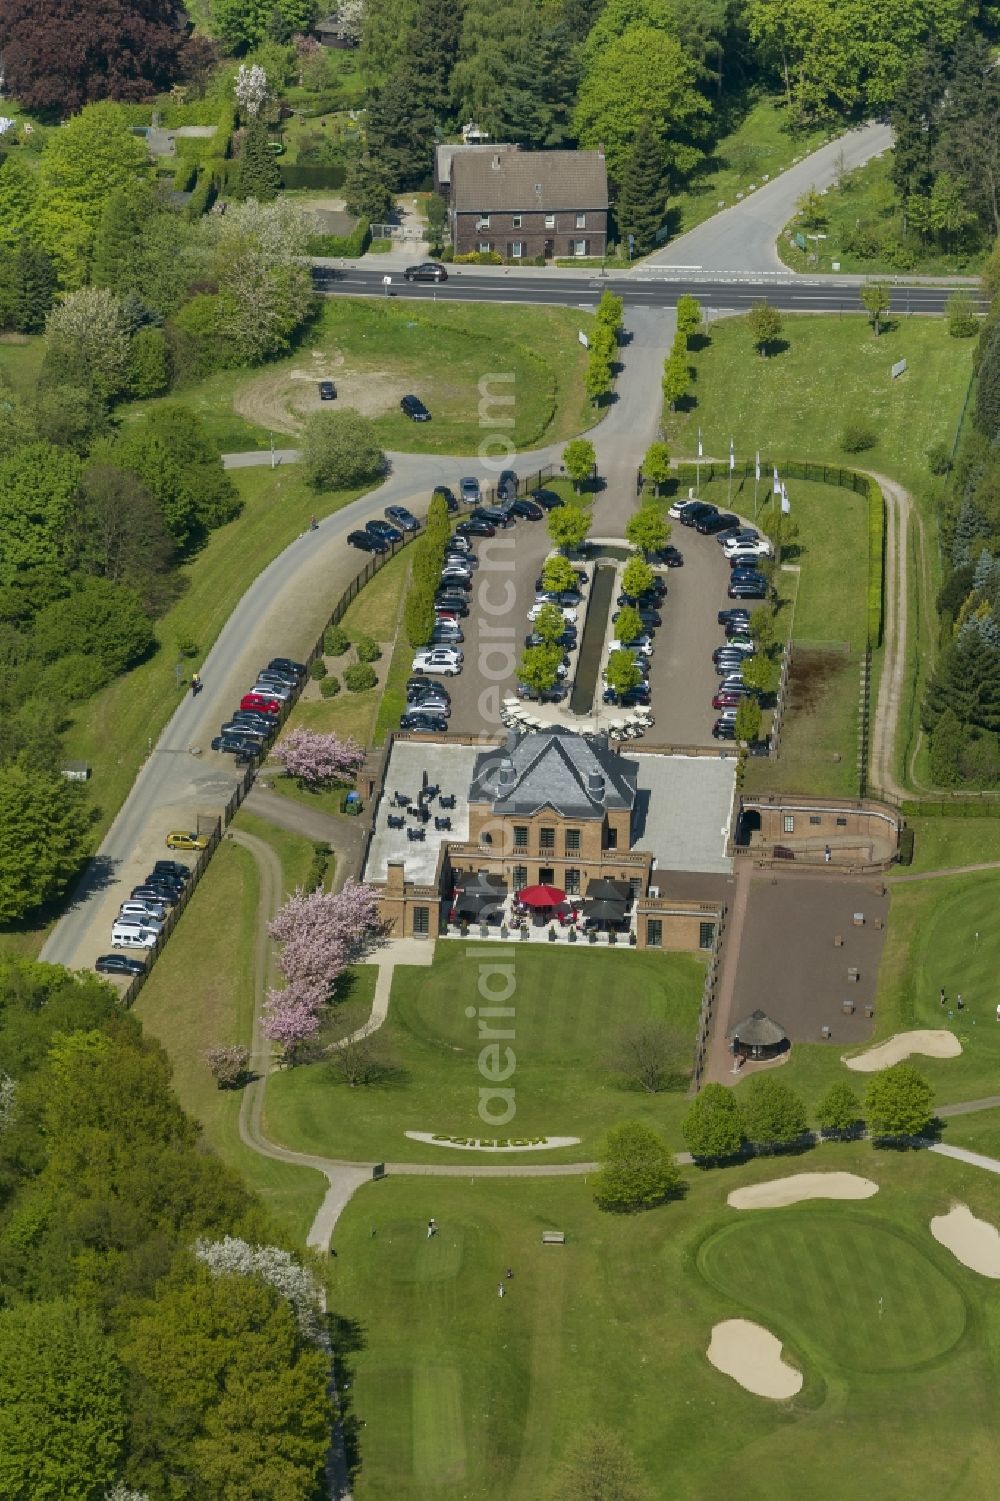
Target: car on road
<point>383,529</point>
<point>527,510</point>
<point>448,496</point>
<point>549,500</point>
<point>695,511</point>
<point>472,528</point>
<point>495,515</point>
<point>506,486</point>
<point>720,522</point>
<point>401,517</point>
<point>118,964</point>
<point>446,660</point>
<point>413,407</point>
<point>468,489</point>
<point>724,729</point>
<point>287,666</point>
<point>667,557</point>
<point>178,839</point>
<point>365,542</point>
<point>327,391</point>
<point>426,271</point>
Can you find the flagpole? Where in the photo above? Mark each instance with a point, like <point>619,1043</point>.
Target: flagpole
<point>732,466</point>
<point>756,485</point>
<point>697,466</point>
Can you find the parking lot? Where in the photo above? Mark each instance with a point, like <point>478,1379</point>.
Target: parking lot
<point>682,678</point>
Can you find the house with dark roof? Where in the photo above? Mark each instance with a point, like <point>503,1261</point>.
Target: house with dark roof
<point>525,204</point>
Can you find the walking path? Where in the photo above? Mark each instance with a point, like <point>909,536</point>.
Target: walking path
<point>951,870</point>
<point>960,1154</point>
<point>345,836</point>
<point>898,506</point>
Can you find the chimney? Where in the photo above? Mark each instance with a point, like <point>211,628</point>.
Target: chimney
<point>506,773</point>
<point>595,783</point>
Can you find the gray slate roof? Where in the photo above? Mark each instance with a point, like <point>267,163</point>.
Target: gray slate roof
<point>445,155</point>
<point>554,769</point>
<point>528,181</point>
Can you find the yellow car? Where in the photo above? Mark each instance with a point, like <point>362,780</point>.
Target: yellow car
<point>178,840</point>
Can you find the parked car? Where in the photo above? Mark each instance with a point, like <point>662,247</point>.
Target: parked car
<point>751,546</point>
<point>641,643</point>
<point>426,271</point>
<point>280,691</point>
<point>554,695</point>
<point>467,560</point>
<point>239,729</point>
<point>736,533</point>
<point>724,729</point>
<point>155,891</point>
<point>170,887</point>
<point>174,868</point>
<point>143,907</point>
<point>365,542</point>
<point>447,633</point>
<point>495,515</point>
<point>527,510</point>
<point>286,665</point>
<point>472,528</point>
<point>401,517</point>
<point>124,936</point>
<point>427,724</point>
<point>327,391</point>
<point>732,649</point>
<point>448,496</point>
<point>650,618</point>
<point>280,679</point>
<point>696,511</point>
<point>725,666</point>
<point>468,488</point>
<point>118,964</point>
<point>418,681</point>
<point>667,557</point>
<point>459,543</point>
<point>264,704</point>
<point>648,601</point>
<point>720,522</point>
<point>568,613</point>
<point>677,510</point>
<point>413,407</point>
<point>745,589</point>
<point>251,720</point>
<point>633,698</point>
<point>558,597</point>
<point>456,578</point>
<point>236,745</point>
<point>581,580</point>
<point>567,640</point>
<point>450,608</point>
<point>446,660</point>
<point>383,529</point>
<point>177,839</point>
<point>727,616</point>
<point>730,698</point>
<point>742,639</point>
<point>506,487</point>
<point>549,500</point>
<point>432,700</point>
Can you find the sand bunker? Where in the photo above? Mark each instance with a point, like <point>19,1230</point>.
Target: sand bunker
<point>973,1242</point>
<point>779,1192</point>
<point>752,1356</point>
<point>932,1044</point>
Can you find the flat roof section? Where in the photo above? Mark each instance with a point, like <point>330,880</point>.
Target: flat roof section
<point>682,811</point>
<point>448,767</point>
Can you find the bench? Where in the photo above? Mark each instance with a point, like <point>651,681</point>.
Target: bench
<point>553,1237</point>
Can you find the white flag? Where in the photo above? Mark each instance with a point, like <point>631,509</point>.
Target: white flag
<point>732,456</point>
<point>776,486</point>
<point>786,504</point>
<point>756,471</point>
<point>701,451</point>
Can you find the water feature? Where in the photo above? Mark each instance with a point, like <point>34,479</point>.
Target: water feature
<point>588,665</point>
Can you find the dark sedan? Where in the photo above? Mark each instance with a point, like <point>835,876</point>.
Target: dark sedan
<point>401,517</point>
<point>428,724</point>
<point>287,666</point>
<point>119,964</point>
<point>633,698</point>
<point>506,487</point>
<point>547,499</point>
<point>365,542</point>
<point>724,729</point>
<point>327,391</point>
<point>413,407</point>
<point>448,496</point>
<point>426,271</point>
<point>720,522</point>
<point>493,515</point>
<point>385,530</point>
<point>527,510</point>
<point>473,528</point>
<point>697,511</point>
<point>668,556</point>
<point>727,617</point>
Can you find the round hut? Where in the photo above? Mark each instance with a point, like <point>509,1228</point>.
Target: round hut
<point>758,1037</point>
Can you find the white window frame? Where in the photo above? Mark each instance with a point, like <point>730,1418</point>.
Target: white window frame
<point>788,823</point>
<point>580,248</point>
<point>482,221</point>
<point>550,221</point>
<point>485,247</point>
<point>581,221</point>
<point>515,222</point>
<point>516,250</point>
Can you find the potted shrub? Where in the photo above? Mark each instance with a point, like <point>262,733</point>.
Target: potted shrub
<point>632,939</point>
<point>463,927</point>
<point>572,935</point>
<point>504,931</point>
<point>592,935</point>
<point>552,932</point>
<point>484,930</point>
<point>524,935</point>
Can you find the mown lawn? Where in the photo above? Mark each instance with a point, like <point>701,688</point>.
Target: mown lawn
<point>527,362</point>
<point>943,842</point>
<point>795,404</point>
<point>20,362</point>
<point>761,143</point>
<point>568,1011</point>
<point>112,730</point>
<point>463,1394</point>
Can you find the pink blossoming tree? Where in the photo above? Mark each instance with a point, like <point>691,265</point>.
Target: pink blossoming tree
<point>316,760</point>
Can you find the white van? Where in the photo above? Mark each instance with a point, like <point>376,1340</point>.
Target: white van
<point>125,936</point>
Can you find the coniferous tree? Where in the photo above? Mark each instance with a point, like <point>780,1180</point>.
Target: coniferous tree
<point>642,194</point>
<point>27,288</point>
<point>115,242</point>
<point>432,49</point>
<point>401,127</point>
<point>967,681</point>
<point>259,176</point>
<point>915,120</point>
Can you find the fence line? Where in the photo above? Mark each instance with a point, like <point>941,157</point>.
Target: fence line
<point>708,998</point>
<point>252,763</point>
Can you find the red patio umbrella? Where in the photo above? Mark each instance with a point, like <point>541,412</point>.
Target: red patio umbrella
<point>541,896</point>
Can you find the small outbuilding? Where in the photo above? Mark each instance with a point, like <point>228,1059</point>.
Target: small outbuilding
<point>758,1037</point>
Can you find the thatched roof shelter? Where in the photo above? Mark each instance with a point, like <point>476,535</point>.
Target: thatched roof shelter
<point>758,1036</point>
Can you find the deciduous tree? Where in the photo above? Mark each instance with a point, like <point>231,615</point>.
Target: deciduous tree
<point>579,457</point>
<point>628,625</point>
<point>637,577</point>
<point>538,667</point>
<point>598,1467</point>
<point>647,530</point>
<point>748,721</point>
<point>317,759</point>
<point>559,574</point>
<point>713,1126</point>
<point>676,380</point>
<point>228,1065</point>
<point>764,323</point>
<point>623,672</point>
<point>899,1102</point>
<point>875,301</point>
<point>89,342</point>
<point>637,1170</point>
<point>340,449</point>
<point>646,1053</point>
<point>839,1110</point>
<point>773,1114</point>
<point>689,316</point>
<point>656,464</point>
<point>568,526</point>
<point>44,836</point>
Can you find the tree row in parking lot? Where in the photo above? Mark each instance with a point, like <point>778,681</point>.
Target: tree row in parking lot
<point>428,558</point>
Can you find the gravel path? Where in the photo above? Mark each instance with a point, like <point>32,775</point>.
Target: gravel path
<point>898,508</point>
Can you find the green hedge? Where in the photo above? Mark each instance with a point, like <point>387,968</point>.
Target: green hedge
<point>959,808</point>
<point>200,149</point>
<point>203,197</point>
<point>200,112</point>
<point>311,175</point>
<point>876,562</point>
<point>184,176</point>
<point>349,246</point>
<point>137,114</point>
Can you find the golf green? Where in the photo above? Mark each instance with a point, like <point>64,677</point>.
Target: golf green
<point>853,1289</point>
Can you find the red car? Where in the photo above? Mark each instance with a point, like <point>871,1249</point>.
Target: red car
<point>261,704</point>
<point>728,700</point>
